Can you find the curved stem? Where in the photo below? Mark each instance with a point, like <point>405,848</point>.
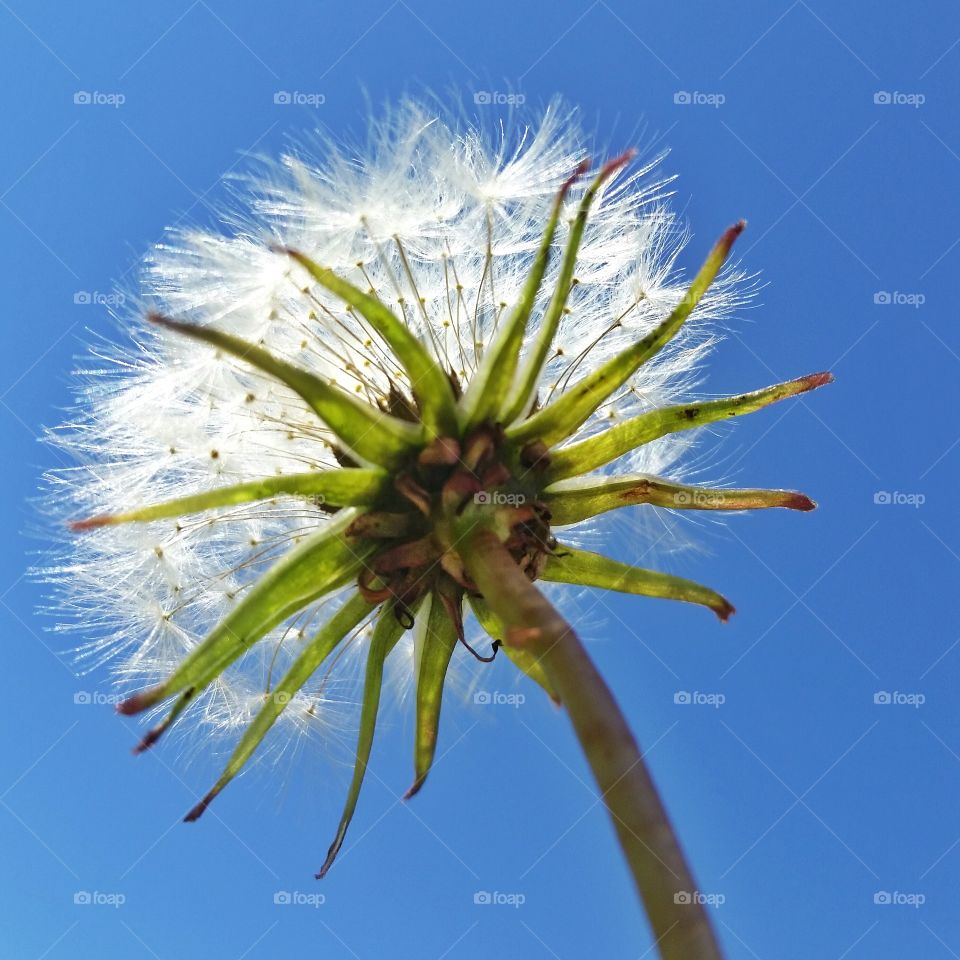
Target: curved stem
<point>664,881</point>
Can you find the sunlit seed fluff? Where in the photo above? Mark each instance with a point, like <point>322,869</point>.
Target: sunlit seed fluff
<point>441,220</point>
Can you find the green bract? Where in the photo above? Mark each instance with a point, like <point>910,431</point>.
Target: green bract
<point>436,472</point>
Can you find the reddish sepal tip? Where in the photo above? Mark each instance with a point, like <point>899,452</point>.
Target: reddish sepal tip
<point>197,812</point>
<point>617,162</point>
<point>91,523</point>
<point>582,167</point>
<point>168,323</point>
<point>137,703</point>
<point>414,789</point>
<point>815,380</point>
<point>800,501</point>
<point>150,738</point>
<point>287,251</point>
<point>726,611</point>
<point>730,235</point>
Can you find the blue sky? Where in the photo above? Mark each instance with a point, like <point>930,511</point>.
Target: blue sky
<point>800,799</point>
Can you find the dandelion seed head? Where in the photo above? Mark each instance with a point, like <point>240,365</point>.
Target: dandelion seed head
<point>438,219</point>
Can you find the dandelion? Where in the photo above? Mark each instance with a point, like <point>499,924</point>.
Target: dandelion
<point>386,400</point>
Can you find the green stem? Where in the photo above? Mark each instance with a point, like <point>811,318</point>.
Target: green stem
<point>664,880</point>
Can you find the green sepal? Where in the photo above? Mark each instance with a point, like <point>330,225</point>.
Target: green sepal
<point>430,385</point>
<point>439,642</point>
<point>324,561</point>
<point>521,658</point>
<point>524,390</point>
<point>490,386</point>
<point>320,646</point>
<point>374,436</point>
<point>614,442</point>
<point>386,633</point>
<point>570,501</point>
<point>341,487</point>
<point>569,565</point>
<point>561,418</point>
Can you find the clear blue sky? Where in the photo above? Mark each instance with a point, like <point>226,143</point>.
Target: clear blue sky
<point>799,799</point>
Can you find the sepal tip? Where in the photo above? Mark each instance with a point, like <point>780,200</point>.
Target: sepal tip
<point>197,812</point>
<point>611,166</point>
<point>415,787</point>
<point>140,702</point>
<point>149,739</point>
<point>90,523</point>
<point>730,236</point>
<point>814,380</point>
<point>724,610</point>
